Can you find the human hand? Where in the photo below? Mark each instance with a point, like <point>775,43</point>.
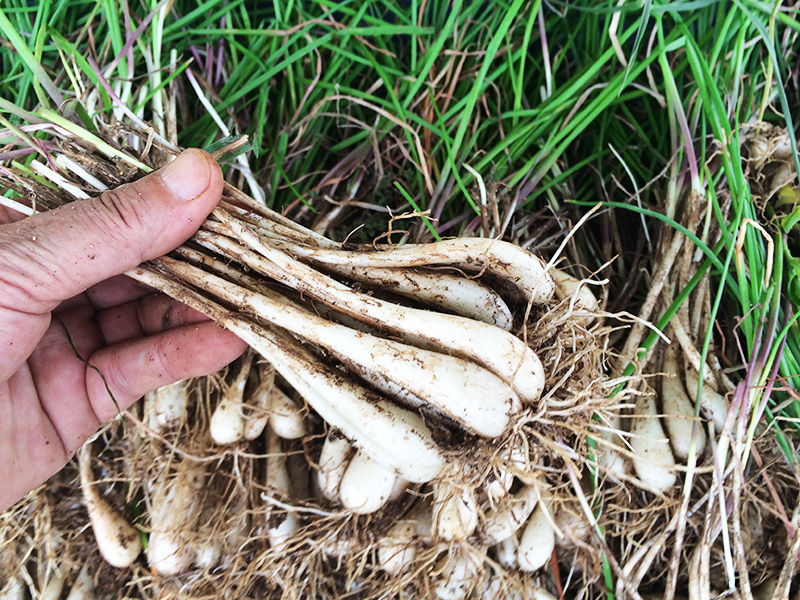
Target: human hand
<point>60,272</point>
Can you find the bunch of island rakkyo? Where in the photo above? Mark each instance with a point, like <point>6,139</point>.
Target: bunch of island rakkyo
<point>388,346</point>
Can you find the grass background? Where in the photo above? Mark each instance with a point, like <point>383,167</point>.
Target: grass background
<point>503,118</point>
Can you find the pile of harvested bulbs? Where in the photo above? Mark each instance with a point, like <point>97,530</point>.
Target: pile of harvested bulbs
<point>411,421</point>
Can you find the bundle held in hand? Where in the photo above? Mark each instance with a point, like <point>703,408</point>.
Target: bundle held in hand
<point>398,349</point>
<point>259,275</point>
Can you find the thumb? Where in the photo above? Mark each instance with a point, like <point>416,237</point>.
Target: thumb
<point>50,257</point>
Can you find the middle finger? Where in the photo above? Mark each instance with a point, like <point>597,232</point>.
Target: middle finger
<point>148,315</point>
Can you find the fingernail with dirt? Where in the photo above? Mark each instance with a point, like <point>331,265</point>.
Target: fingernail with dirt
<point>188,175</point>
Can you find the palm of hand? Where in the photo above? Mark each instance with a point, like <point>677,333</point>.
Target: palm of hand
<point>56,398</point>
